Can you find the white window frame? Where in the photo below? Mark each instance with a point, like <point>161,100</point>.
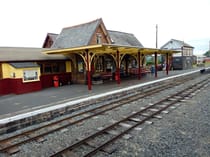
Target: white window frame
<point>30,75</point>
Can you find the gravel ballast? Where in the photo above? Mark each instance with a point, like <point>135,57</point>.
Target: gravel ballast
<point>184,132</point>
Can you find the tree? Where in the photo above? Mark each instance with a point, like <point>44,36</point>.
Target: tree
<point>207,54</point>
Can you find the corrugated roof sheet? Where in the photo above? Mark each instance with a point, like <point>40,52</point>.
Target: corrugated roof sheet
<point>26,54</point>
<point>24,64</point>
<point>126,39</point>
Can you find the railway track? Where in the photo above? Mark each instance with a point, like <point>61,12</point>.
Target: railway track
<point>98,141</point>
<point>10,145</point>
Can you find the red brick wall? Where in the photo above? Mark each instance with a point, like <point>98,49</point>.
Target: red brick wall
<point>16,86</point>
<point>20,87</point>
<point>47,80</point>
<point>5,86</point>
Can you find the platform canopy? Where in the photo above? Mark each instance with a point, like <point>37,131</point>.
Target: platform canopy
<point>88,52</point>
<point>109,49</point>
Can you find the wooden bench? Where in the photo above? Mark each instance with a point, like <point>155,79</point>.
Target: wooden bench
<point>135,71</point>
<point>106,76</point>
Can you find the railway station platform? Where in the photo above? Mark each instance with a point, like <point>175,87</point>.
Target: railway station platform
<point>12,105</point>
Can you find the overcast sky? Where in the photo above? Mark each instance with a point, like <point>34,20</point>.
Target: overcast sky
<point>25,23</point>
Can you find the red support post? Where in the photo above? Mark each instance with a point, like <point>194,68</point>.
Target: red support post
<point>139,63</point>
<point>156,64</point>
<point>88,71</point>
<point>118,67</point>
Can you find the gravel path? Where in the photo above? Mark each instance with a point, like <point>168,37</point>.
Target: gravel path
<point>185,132</point>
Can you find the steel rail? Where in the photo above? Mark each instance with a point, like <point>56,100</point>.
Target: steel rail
<point>5,148</point>
<point>134,126</point>
<point>125,119</point>
<point>70,117</point>
<point>27,133</point>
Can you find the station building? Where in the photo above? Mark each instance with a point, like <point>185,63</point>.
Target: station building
<point>87,54</point>
<point>185,58</point>
<point>25,70</point>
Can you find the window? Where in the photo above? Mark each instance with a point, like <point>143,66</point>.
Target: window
<point>80,67</point>
<point>47,68</point>
<point>30,75</point>
<point>50,68</point>
<point>98,38</point>
<point>80,64</point>
<point>99,64</point>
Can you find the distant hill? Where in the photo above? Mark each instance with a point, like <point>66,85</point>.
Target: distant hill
<point>200,45</point>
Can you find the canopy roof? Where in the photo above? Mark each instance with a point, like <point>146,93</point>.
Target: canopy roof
<point>109,49</point>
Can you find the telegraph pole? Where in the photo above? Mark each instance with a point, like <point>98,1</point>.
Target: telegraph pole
<point>156,36</point>
<point>209,45</point>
